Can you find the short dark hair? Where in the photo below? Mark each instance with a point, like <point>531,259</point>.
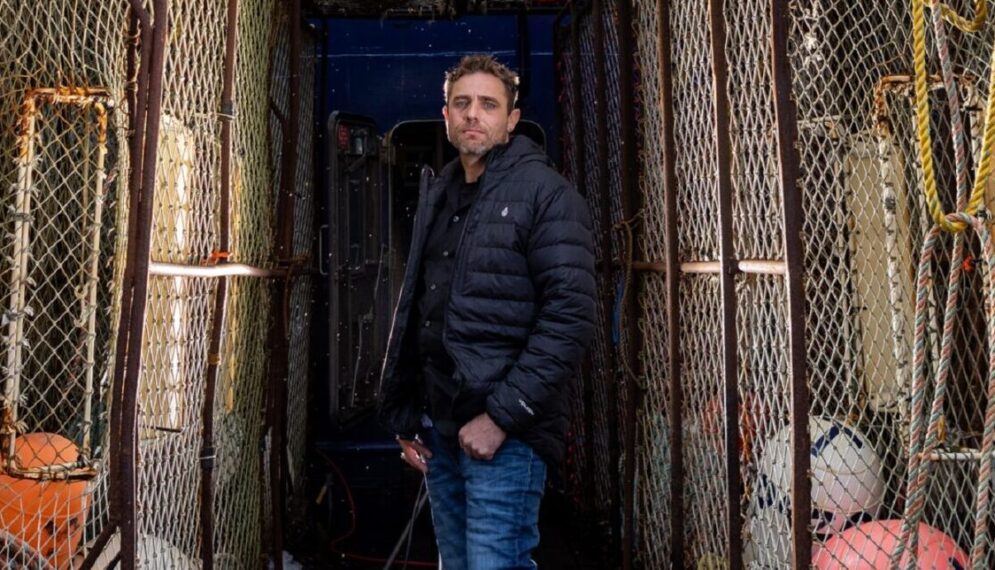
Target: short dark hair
<point>482,63</point>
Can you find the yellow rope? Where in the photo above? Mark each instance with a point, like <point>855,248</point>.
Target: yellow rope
<point>962,23</point>
<point>922,114</point>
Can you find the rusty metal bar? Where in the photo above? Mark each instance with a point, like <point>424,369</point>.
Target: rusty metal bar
<point>143,238</point>
<point>60,471</point>
<point>66,94</point>
<point>220,271</point>
<point>601,113</point>
<point>279,362</point>
<point>788,159</point>
<point>141,26</point>
<point>139,52</point>
<point>727,254</point>
<point>218,317</point>
<point>97,98</point>
<point>752,266</point>
<point>673,285</point>
<point>580,181</point>
<point>99,543</point>
<point>18,275</point>
<point>286,199</point>
<point>631,205</point>
<point>964,455</point>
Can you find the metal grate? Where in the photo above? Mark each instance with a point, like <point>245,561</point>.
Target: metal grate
<point>252,214</point>
<point>64,128</point>
<point>600,371</point>
<point>171,397</point>
<point>864,220</point>
<point>302,294</point>
<point>865,232</point>
<point>653,461</point>
<point>61,171</point>
<point>576,463</point>
<point>185,231</point>
<point>239,425</point>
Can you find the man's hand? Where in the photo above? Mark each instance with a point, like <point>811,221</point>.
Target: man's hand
<point>480,438</point>
<point>415,454</point>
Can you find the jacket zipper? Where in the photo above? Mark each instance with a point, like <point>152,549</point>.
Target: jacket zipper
<point>423,202</point>
<point>459,263</point>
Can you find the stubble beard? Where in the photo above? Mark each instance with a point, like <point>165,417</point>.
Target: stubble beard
<point>476,149</point>
<point>479,149</point>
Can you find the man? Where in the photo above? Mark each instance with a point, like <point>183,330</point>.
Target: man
<point>495,313</point>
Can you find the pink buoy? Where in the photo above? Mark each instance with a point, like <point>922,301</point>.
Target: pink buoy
<point>869,546</point>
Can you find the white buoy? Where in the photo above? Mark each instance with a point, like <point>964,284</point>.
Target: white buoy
<point>154,553</point>
<point>847,489</point>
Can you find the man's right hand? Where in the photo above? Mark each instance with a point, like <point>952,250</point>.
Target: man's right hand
<point>415,454</point>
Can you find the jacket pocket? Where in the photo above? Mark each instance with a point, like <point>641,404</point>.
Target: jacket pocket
<point>471,394</point>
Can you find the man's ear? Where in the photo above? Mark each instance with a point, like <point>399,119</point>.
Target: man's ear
<point>445,112</point>
<point>513,119</point>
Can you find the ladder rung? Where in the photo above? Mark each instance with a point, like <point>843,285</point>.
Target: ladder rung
<point>963,455</point>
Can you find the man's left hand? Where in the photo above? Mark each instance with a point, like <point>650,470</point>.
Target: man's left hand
<point>480,438</point>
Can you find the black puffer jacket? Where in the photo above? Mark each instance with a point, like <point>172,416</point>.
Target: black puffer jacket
<point>521,308</point>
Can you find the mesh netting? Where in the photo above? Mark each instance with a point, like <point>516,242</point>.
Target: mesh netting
<point>704,447</point>
<point>178,316</point>
<point>864,218</point>
<point>62,166</point>
<point>170,421</point>
<point>864,235</point>
<point>239,397</point>
<point>63,87</point>
<point>302,293</point>
<point>601,371</point>
<point>239,424</point>
<point>576,463</point>
<point>252,216</point>
<point>700,306</point>
<point>63,92</point>
<point>653,461</point>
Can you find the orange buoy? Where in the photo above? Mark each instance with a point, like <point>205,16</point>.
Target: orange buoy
<point>871,545</point>
<point>48,515</point>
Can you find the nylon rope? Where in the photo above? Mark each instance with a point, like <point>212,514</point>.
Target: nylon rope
<point>627,226</point>
<point>921,446</point>
<point>922,126</point>
<point>918,471</point>
<point>915,502</point>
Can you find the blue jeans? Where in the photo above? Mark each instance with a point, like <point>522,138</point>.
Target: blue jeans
<point>485,513</point>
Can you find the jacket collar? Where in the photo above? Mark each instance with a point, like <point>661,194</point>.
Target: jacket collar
<point>500,159</point>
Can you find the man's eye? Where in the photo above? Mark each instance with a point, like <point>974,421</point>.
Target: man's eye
<point>489,104</point>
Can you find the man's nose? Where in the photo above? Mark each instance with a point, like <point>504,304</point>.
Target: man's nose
<point>472,110</point>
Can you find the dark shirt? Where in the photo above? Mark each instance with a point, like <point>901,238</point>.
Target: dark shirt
<point>433,295</point>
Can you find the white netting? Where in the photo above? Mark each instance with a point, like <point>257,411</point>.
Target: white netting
<point>62,170</point>
<point>864,219</point>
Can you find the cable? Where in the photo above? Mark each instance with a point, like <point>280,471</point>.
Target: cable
<point>409,529</point>
<point>352,525</point>
<point>419,505</point>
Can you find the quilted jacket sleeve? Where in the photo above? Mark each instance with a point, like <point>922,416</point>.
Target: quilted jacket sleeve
<point>561,263</point>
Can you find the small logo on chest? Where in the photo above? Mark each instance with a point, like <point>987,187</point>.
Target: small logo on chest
<point>504,212</point>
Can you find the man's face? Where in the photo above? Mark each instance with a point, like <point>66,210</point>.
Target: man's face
<point>477,115</point>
